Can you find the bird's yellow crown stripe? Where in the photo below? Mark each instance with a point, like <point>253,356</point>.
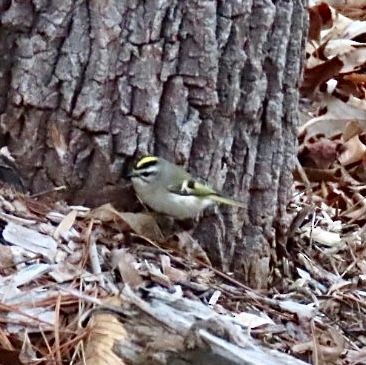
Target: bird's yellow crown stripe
<point>145,160</point>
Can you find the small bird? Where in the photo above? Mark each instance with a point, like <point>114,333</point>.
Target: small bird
<point>169,189</point>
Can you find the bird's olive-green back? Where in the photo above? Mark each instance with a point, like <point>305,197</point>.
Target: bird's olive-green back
<point>172,175</point>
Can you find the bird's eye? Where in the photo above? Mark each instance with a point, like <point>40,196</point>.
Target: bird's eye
<point>145,174</point>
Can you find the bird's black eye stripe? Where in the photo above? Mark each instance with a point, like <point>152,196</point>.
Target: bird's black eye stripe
<point>147,173</point>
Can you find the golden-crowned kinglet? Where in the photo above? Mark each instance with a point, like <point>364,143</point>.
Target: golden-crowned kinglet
<point>169,189</point>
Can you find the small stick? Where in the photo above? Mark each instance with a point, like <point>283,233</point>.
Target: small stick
<point>49,191</point>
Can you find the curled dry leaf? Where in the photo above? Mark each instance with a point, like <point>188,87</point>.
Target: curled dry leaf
<point>327,125</point>
<point>175,275</point>
<point>340,28</point>
<point>126,264</point>
<point>318,74</point>
<point>350,53</point>
<point>140,223</point>
<point>105,331</point>
<point>338,114</point>
<point>352,129</point>
<point>354,150</point>
<point>185,243</point>
<point>320,17</point>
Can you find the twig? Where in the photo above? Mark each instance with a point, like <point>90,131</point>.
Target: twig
<point>57,331</point>
<point>49,191</point>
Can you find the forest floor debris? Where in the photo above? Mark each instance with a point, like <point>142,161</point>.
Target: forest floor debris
<point>74,281</point>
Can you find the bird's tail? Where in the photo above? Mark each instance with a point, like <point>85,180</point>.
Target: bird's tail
<point>223,200</point>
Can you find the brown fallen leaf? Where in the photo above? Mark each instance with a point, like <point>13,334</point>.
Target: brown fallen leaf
<point>354,150</point>
<point>315,76</point>
<point>140,223</point>
<point>175,275</point>
<point>185,243</point>
<point>320,16</point>
<point>125,262</point>
<point>105,331</point>
<point>352,129</point>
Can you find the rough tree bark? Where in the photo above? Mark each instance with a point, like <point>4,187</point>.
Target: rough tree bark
<point>87,85</point>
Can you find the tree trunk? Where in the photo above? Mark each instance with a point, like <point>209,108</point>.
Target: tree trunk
<point>86,86</point>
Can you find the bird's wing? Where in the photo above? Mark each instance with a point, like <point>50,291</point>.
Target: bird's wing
<point>192,187</point>
<point>200,189</point>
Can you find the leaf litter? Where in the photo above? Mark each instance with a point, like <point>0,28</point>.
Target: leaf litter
<point>328,251</point>
<point>99,286</point>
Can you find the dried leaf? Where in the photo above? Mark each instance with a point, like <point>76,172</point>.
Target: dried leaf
<point>140,223</point>
<point>317,75</point>
<point>185,243</point>
<point>351,53</point>
<point>105,331</point>
<point>126,264</point>
<point>354,150</point>
<point>320,16</point>
<point>175,275</point>
<point>352,129</point>
<point>144,225</point>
